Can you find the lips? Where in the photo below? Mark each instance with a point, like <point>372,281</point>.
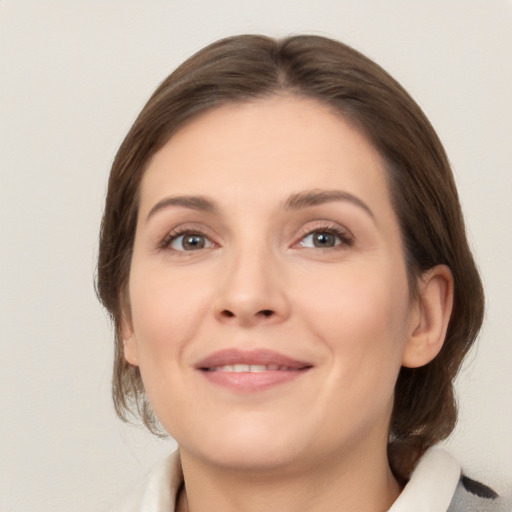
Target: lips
<point>274,361</point>
<point>253,370</point>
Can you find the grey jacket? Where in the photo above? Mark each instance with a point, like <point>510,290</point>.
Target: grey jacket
<point>473,496</point>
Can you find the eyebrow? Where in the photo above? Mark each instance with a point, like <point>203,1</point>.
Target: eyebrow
<point>199,203</point>
<point>317,197</point>
<point>298,201</point>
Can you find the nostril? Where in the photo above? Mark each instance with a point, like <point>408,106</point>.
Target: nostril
<point>226,313</point>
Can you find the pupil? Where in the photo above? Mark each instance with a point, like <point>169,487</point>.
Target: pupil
<point>324,240</point>
<point>193,242</point>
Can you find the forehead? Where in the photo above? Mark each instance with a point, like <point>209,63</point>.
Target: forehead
<point>262,150</point>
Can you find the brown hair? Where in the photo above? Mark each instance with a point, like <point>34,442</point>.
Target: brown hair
<point>244,68</point>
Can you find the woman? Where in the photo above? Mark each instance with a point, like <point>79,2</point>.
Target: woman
<point>284,258</point>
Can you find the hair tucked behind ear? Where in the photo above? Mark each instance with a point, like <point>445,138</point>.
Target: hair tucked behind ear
<point>422,188</point>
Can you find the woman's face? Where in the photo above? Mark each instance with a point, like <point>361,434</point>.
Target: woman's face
<point>268,295</point>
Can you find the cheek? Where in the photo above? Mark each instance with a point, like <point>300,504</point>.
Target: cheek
<point>361,316</point>
<point>166,312</point>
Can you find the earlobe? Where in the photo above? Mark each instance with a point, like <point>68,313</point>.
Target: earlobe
<point>130,350</point>
<point>434,308</point>
<point>128,337</point>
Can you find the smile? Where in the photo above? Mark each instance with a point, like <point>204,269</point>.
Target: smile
<point>250,370</point>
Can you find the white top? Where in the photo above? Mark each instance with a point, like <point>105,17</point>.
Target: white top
<point>432,484</point>
<point>430,488</point>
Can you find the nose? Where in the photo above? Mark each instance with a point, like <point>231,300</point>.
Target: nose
<point>252,290</point>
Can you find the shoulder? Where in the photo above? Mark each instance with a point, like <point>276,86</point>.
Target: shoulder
<point>158,491</point>
<point>438,484</point>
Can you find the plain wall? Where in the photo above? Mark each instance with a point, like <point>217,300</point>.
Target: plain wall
<point>73,75</point>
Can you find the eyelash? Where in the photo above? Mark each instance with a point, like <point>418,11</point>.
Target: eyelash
<point>177,233</point>
<point>345,238</point>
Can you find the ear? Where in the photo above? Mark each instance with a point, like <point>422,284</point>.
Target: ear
<point>430,317</point>
<point>130,348</point>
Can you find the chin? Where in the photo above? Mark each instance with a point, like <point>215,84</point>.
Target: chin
<point>253,448</point>
<point>254,459</point>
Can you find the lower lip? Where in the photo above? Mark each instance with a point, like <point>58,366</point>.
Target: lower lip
<point>252,381</point>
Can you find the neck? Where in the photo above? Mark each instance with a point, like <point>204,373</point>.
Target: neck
<point>352,482</point>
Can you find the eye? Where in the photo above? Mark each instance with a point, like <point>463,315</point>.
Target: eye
<point>326,239</point>
<point>188,242</point>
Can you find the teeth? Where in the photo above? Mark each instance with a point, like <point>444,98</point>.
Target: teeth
<point>250,368</point>
<point>256,368</point>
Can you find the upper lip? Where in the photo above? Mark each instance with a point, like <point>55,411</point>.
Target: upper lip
<point>233,356</point>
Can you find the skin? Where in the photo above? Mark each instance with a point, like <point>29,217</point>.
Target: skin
<point>317,442</point>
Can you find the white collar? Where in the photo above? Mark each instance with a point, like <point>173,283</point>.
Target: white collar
<point>432,484</point>
<point>159,490</point>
